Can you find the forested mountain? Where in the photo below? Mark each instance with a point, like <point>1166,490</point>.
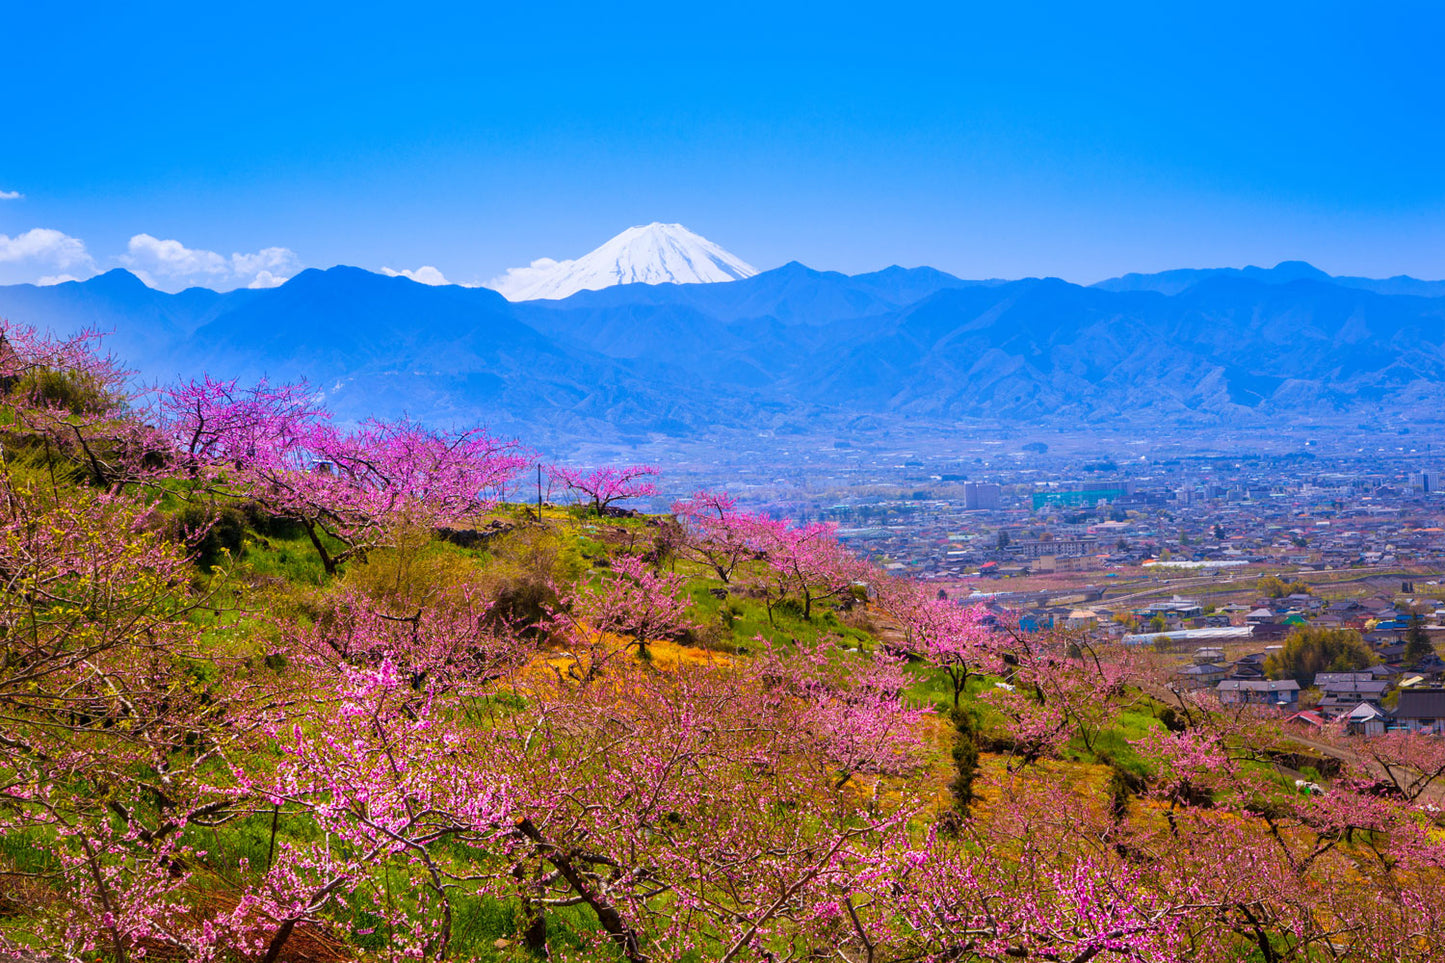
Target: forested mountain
<point>796,348</point>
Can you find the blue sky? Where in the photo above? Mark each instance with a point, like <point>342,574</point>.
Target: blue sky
<point>1015,139</point>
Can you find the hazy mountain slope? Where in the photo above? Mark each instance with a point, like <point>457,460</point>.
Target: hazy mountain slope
<point>748,333</point>
<point>793,294</point>
<point>376,345</point>
<point>389,344</point>
<point>140,323</point>
<point>1226,348</point>
<point>345,316</point>
<point>908,285</point>
<point>1177,281</point>
<point>792,348</point>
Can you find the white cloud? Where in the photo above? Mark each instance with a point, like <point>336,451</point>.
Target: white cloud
<point>170,265</point>
<point>426,274</point>
<point>44,243</point>
<point>265,279</point>
<point>521,279</point>
<point>10,195</point>
<point>268,260</point>
<point>172,259</point>
<point>45,256</point>
<point>43,252</point>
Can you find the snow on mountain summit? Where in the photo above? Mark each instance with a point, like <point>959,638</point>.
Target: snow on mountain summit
<point>652,254</point>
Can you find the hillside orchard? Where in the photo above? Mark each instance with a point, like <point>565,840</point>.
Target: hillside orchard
<point>277,689</point>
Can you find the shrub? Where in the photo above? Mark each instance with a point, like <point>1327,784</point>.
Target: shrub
<point>270,525</point>
<point>1274,587</point>
<point>73,391</point>
<point>210,533</point>
<point>712,636</point>
<point>1172,720</point>
<point>965,759</point>
<point>418,571</point>
<point>528,565</point>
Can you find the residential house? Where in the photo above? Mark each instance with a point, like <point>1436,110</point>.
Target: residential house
<point>1350,613</point>
<point>1390,651</point>
<point>1399,625</point>
<point>1307,719</point>
<point>1270,631</point>
<point>1304,601</point>
<point>1323,680</point>
<point>1421,710</point>
<point>1201,675</point>
<point>1389,673</point>
<point>1342,692</point>
<point>1249,666</point>
<point>1367,719</point>
<point>1378,607</point>
<point>1036,621</point>
<point>1274,692</point>
<point>1235,611</point>
<point>1176,611</point>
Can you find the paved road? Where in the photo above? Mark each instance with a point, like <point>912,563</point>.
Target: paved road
<point>1314,579</point>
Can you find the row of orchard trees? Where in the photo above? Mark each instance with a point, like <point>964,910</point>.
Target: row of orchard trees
<point>192,768</point>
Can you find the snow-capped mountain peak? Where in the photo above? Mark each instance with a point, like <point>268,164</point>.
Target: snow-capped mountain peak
<point>651,254</point>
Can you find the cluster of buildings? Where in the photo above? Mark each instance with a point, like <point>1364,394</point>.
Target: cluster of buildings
<point>1369,702</point>
<point>945,520</point>
<point>1394,693</point>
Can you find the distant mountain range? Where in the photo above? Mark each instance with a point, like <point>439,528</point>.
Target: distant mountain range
<point>798,350</point>
<point>1174,282</point>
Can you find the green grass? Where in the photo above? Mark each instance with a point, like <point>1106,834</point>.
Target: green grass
<point>30,851</point>
<point>745,620</point>
<point>478,922</point>
<point>293,560</point>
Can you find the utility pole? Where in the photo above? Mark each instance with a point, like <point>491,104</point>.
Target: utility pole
<point>539,491</point>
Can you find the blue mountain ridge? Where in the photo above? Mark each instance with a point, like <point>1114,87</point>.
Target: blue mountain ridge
<point>1174,282</point>
<point>795,349</point>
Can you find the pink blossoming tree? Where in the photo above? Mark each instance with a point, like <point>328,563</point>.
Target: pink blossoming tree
<point>604,487</point>
<point>349,490</point>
